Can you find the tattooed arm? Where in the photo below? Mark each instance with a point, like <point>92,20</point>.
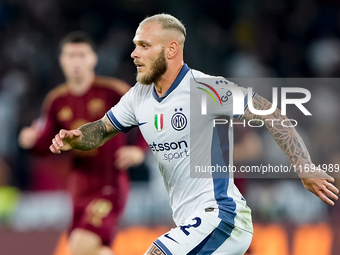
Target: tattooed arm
<point>293,146</point>
<point>88,137</point>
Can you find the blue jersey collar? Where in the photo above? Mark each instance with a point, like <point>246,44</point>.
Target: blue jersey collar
<point>174,85</point>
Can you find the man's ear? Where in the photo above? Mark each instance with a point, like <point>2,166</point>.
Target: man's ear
<point>172,50</point>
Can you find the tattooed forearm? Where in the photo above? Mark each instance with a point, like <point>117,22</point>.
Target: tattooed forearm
<point>95,134</point>
<point>289,140</point>
<point>285,135</point>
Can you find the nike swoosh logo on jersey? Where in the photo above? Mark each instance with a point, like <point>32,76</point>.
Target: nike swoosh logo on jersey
<point>167,236</point>
<point>139,124</point>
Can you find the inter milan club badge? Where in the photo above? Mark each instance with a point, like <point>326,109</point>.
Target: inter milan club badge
<point>159,123</point>
<point>178,120</point>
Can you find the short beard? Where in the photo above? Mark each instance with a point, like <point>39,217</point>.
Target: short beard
<point>158,68</point>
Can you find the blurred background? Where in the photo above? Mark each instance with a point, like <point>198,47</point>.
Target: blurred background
<point>235,39</point>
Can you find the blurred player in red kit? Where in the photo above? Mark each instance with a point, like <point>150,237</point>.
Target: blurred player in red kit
<point>98,181</point>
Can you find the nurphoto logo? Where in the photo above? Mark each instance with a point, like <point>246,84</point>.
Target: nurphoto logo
<point>239,102</point>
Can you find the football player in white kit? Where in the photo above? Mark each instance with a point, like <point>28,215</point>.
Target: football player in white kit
<point>210,213</point>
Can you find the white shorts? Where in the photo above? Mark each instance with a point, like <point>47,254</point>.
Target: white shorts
<point>205,234</point>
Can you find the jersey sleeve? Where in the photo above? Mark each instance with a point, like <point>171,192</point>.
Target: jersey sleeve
<point>122,115</point>
<point>222,97</point>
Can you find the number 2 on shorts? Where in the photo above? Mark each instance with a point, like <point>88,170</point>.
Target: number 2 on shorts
<point>185,227</point>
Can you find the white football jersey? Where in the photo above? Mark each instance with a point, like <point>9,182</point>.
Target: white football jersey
<point>181,138</point>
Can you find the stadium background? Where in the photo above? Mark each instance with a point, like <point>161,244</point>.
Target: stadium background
<point>282,38</point>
